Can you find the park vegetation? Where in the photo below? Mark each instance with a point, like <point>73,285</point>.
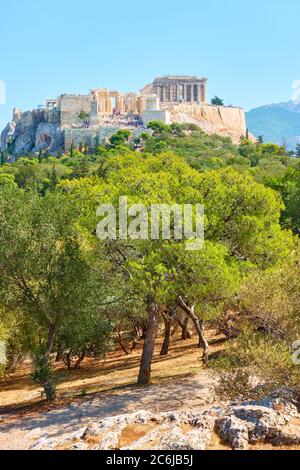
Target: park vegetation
<point>67,295</point>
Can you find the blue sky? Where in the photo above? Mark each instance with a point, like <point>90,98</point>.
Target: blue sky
<point>249,50</point>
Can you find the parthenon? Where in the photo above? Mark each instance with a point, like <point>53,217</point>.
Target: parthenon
<point>179,89</point>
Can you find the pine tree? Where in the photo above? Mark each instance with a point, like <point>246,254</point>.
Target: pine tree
<point>40,157</point>
<point>2,159</point>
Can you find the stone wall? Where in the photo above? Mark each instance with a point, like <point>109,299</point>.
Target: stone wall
<point>156,115</point>
<point>70,108</point>
<point>52,116</point>
<point>80,137</point>
<point>91,136</point>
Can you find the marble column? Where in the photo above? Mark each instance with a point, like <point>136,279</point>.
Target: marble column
<point>179,93</point>
<point>199,93</point>
<point>164,93</point>
<point>203,92</point>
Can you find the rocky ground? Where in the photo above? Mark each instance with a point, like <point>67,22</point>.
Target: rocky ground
<point>269,421</point>
<point>21,430</point>
<point>136,418</point>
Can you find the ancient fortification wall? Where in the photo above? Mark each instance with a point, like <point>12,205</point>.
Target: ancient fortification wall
<point>80,137</point>
<point>70,108</point>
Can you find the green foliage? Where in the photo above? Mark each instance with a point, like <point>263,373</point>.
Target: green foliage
<point>62,288</point>
<point>120,138</point>
<point>7,180</point>
<point>82,115</point>
<point>288,186</point>
<point>159,127</point>
<point>269,325</point>
<point>43,375</point>
<point>216,101</point>
<point>87,335</point>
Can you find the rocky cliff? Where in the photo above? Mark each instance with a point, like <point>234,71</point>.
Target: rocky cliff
<point>54,129</point>
<point>32,131</point>
<point>225,121</point>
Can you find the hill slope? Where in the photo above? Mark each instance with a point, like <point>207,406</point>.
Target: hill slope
<point>276,122</point>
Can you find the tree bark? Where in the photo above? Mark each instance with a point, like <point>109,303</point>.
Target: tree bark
<point>149,343</point>
<point>185,334</point>
<point>52,330</point>
<point>79,361</point>
<point>202,341</point>
<point>14,359</point>
<point>199,327</point>
<point>67,360</point>
<point>119,340</point>
<point>60,352</point>
<point>165,346</point>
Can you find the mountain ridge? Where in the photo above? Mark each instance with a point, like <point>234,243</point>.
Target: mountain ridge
<point>277,122</point>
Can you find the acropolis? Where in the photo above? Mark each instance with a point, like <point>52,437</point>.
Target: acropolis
<point>90,120</point>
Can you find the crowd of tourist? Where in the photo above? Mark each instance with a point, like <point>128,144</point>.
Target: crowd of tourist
<point>116,119</point>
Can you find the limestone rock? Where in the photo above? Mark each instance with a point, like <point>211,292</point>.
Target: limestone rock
<point>7,134</point>
<point>234,431</point>
<point>289,435</point>
<point>147,439</point>
<point>270,420</point>
<point>197,439</point>
<point>175,440</point>
<point>49,137</point>
<point>110,441</point>
<point>252,422</point>
<point>46,442</point>
<point>78,446</point>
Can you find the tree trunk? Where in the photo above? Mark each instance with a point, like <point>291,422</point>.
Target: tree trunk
<point>51,338</point>
<point>185,334</point>
<point>79,361</point>
<point>67,359</point>
<point>199,327</point>
<point>202,341</point>
<point>165,346</point>
<point>14,359</point>
<point>60,352</point>
<point>119,339</point>
<point>144,331</point>
<point>149,343</point>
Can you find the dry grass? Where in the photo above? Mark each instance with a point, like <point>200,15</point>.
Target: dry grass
<point>117,370</point>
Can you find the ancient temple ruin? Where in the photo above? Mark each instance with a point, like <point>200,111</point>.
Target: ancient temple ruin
<point>180,89</point>
<point>89,120</point>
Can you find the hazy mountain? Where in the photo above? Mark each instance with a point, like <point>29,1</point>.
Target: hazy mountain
<point>278,123</point>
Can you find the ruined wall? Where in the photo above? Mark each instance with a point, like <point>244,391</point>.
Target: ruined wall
<point>80,137</point>
<point>156,115</point>
<point>70,108</point>
<point>91,136</point>
<point>52,116</point>
<point>105,133</point>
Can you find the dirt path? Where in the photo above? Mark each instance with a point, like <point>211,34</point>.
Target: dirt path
<point>19,432</point>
